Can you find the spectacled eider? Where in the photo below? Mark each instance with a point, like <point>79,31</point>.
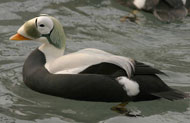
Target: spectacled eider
<point>88,74</point>
<point>164,10</point>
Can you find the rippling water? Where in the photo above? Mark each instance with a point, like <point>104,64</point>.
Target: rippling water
<point>92,23</point>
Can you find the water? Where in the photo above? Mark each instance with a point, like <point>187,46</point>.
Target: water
<point>92,23</point>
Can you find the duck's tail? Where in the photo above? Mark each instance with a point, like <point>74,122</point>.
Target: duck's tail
<point>173,94</point>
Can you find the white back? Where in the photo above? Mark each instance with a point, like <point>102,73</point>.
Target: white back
<point>76,62</point>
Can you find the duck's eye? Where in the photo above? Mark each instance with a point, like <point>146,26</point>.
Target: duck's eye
<point>42,25</point>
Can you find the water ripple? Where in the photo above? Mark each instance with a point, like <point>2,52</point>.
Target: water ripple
<point>92,23</point>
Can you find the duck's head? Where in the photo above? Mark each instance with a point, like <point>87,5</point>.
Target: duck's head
<point>43,28</point>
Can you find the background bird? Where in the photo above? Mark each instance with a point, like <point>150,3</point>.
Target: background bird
<point>164,10</point>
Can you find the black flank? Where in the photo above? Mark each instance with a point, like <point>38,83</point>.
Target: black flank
<point>96,83</point>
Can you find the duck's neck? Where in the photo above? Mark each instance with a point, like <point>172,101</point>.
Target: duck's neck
<point>51,53</point>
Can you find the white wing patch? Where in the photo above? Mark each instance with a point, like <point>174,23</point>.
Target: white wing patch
<point>130,86</point>
<point>139,3</point>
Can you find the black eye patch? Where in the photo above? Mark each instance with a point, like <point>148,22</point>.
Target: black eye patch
<point>41,25</point>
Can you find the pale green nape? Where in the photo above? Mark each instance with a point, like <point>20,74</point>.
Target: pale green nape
<point>57,36</point>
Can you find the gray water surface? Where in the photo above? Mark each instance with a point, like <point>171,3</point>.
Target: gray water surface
<point>92,23</point>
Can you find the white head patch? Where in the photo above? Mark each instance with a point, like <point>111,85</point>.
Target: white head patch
<point>131,87</point>
<point>139,3</point>
<point>44,24</point>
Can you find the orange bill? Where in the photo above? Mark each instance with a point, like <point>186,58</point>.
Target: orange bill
<point>18,37</point>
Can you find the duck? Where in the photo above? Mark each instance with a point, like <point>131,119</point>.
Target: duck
<point>163,10</point>
<point>89,74</point>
